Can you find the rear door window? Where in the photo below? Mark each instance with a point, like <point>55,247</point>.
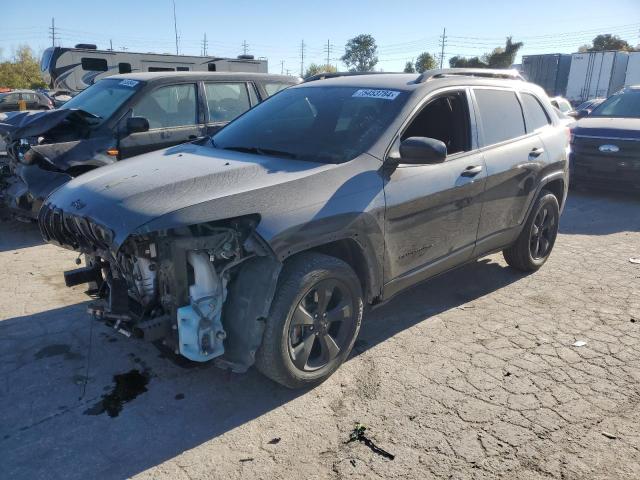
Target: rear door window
<point>170,106</point>
<point>94,64</point>
<point>534,113</point>
<point>226,101</point>
<point>501,115</point>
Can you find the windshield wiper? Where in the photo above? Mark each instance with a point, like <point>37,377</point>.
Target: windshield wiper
<point>262,151</point>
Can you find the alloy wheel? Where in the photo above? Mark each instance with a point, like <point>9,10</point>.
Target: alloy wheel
<point>543,231</point>
<point>322,325</point>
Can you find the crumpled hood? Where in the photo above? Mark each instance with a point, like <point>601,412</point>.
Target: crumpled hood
<point>609,127</point>
<point>127,195</point>
<point>29,123</point>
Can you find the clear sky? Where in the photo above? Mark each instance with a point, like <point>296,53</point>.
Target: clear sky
<point>275,29</point>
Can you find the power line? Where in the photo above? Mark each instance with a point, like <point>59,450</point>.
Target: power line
<point>245,47</point>
<point>327,50</point>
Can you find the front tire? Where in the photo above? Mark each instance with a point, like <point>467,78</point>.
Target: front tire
<point>533,247</point>
<point>314,321</point>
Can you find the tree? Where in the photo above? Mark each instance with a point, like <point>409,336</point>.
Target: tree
<point>315,69</point>
<point>609,42</point>
<point>500,57</point>
<point>425,61</point>
<point>21,71</point>
<point>462,62</point>
<point>408,67</point>
<point>504,57</point>
<point>360,53</point>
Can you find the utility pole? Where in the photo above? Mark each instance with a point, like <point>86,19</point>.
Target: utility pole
<point>281,67</point>
<point>204,45</point>
<point>329,47</point>
<point>52,32</point>
<point>442,44</point>
<point>245,47</point>
<point>175,25</point>
<point>111,45</point>
<point>302,46</point>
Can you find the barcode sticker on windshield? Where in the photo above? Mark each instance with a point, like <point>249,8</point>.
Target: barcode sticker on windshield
<point>383,94</point>
<point>129,83</point>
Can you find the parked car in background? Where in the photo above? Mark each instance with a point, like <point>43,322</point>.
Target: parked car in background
<point>117,118</point>
<point>605,146</point>
<point>263,243</point>
<point>585,108</point>
<point>10,101</point>
<point>561,104</point>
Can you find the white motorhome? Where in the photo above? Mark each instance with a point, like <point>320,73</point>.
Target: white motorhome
<point>596,75</point>
<point>74,69</point>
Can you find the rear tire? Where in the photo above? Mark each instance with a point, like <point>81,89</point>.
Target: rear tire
<point>535,243</point>
<point>314,321</point>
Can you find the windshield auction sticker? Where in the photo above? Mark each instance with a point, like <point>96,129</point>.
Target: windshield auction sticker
<point>383,94</point>
<point>128,83</point>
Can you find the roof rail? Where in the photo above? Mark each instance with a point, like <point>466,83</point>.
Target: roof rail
<point>469,72</point>
<point>324,75</point>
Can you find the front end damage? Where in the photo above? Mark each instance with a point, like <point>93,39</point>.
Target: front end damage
<point>43,148</point>
<point>202,290</point>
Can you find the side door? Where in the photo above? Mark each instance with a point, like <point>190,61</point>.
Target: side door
<point>173,116</point>
<point>432,211</point>
<point>226,101</point>
<point>514,159</point>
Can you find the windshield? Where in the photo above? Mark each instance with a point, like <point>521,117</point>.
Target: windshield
<point>321,124</point>
<point>623,104</point>
<point>105,97</point>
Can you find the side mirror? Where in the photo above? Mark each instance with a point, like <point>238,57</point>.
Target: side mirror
<point>137,125</point>
<point>582,113</point>
<point>422,150</point>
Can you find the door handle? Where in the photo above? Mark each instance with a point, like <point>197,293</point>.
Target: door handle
<point>471,171</point>
<point>192,137</point>
<point>536,152</point>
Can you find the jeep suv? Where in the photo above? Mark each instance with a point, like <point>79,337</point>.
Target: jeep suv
<point>264,243</point>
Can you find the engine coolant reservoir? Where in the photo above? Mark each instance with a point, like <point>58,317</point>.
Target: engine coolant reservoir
<point>200,329</point>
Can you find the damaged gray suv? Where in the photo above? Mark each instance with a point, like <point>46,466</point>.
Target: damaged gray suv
<point>264,243</point>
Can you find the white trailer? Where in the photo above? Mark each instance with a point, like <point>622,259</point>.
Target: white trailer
<point>633,70</point>
<point>74,69</point>
<point>596,75</point>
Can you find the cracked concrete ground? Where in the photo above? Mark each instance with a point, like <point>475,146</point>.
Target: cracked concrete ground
<point>472,375</point>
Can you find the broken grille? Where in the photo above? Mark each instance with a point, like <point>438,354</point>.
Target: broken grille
<point>72,231</point>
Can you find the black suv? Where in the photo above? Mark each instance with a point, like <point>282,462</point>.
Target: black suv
<point>264,243</point>
<point>605,145</point>
<point>119,117</point>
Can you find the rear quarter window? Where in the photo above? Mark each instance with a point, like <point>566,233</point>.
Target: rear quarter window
<point>501,115</point>
<point>535,114</point>
<point>272,87</point>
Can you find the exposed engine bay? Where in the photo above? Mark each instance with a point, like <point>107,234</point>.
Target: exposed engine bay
<point>202,290</point>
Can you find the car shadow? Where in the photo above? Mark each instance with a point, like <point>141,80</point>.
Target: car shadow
<point>15,235</point>
<point>585,213</point>
<point>57,366</point>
